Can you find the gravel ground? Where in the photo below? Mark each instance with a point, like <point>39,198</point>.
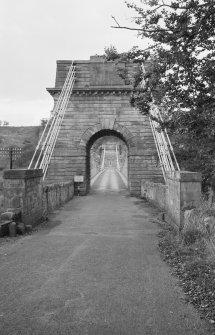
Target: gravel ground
<point>94,268</point>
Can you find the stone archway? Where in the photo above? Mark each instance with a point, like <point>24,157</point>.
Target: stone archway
<point>103,135</point>
<point>100,101</point>
<point>108,125</point>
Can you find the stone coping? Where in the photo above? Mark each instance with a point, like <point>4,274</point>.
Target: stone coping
<point>22,173</point>
<point>185,176</point>
<point>149,182</point>
<point>96,88</point>
<point>47,187</point>
<point>101,60</point>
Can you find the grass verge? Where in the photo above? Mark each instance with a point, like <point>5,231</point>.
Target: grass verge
<point>192,260</point>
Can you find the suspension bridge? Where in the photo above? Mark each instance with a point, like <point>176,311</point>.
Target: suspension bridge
<point>92,101</point>
<point>93,267</point>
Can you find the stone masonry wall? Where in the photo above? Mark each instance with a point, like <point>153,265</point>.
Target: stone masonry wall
<point>24,191</point>
<point>184,192</point>
<point>56,195</point>
<point>100,102</point>
<point>1,197</point>
<point>181,192</point>
<point>155,192</point>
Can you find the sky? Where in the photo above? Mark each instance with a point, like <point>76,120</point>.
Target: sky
<point>34,34</point>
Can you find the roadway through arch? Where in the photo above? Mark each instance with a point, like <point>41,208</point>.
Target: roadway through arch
<point>107,162</point>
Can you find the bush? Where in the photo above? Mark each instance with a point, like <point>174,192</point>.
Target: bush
<point>191,236</point>
<point>200,224</point>
<point>27,154</point>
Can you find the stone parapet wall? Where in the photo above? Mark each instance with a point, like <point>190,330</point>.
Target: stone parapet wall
<point>23,190</point>
<point>1,197</point>
<point>56,195</point>
<point>155,192</point>
<point>181,192</point>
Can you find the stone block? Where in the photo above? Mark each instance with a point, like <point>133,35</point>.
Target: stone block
<point>22,173</point>
<point>12,229</point>
<point>7,216</point>
<point>17,213</point>
<point>28,228</point>
<point>23,194</point>
<point>21,228</point>
<point>4,228</point>
<point>184,176</point>
<point>184,193</point>
<point>179,197</point>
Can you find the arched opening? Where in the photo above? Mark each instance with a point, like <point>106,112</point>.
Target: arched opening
<point>107,161</point>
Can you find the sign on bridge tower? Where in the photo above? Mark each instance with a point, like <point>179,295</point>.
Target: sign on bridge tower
<point>99,106</point>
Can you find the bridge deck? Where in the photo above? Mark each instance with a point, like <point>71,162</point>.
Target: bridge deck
<point>93,269</point>
<point>109,180</point>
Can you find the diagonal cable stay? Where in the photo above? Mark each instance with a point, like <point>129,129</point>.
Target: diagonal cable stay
<point>45,147</point>
<point>163,144</point>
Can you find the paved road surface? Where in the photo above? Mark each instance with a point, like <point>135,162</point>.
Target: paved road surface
<point>109,180</point>
<point>93,269</point>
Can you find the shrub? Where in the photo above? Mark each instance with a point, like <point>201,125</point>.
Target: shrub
<point>200,224</point>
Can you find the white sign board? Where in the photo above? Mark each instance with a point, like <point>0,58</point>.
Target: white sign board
<point>78,179</point>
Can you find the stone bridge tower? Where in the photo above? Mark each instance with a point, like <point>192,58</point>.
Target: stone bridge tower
<point>99,106</point>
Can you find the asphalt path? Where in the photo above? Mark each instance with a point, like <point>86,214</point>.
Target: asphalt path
<point>94,268</point>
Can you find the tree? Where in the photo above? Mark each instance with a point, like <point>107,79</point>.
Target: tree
<point>43,122</point>
<point>111,53</point>
<point>180,76</point>
<point>4,123</point>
